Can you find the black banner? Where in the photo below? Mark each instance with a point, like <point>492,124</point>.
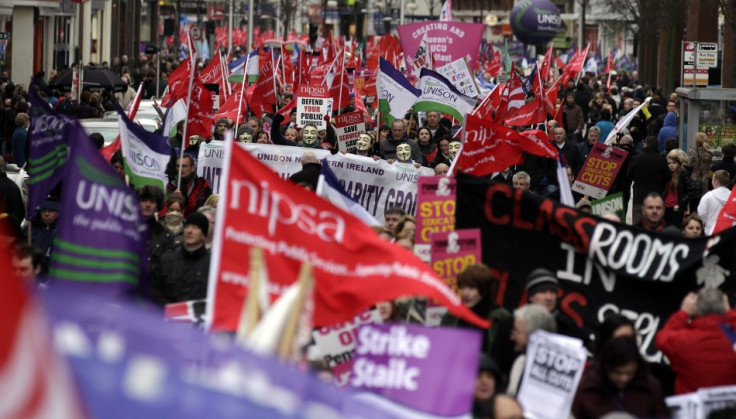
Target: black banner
<point>602,266</point>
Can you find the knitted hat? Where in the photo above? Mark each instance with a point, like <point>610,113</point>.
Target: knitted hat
<point>199,220</point>
<point>49,206</point>
<point>243,129</point>
<point>223,121</point>
<point>539,280</point>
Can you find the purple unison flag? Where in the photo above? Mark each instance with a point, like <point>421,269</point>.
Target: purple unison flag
<point>47,151</point>
<point>101,235</point>
<point>424,369</point>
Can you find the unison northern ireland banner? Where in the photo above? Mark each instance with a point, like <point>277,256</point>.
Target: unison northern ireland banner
<point>603,267</point>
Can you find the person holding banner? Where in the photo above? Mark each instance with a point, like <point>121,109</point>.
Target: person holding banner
<point>619,381</point>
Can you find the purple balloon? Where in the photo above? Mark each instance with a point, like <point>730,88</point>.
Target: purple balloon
<point>535,21</point>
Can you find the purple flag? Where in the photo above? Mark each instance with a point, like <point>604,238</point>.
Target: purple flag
<point>101,235</point>
<point>423,369</point>
<point>47,151</point>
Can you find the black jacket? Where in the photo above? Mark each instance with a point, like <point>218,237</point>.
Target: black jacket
<point>181,275</point>
<point>309,175</point>
<point>648,170</point>
<point>11,200</point>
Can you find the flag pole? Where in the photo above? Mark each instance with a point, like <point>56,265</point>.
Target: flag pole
<point>306,283</point>
<point>184,139</point>
<point>342,74</point>
<point>242,89</point>
<point>250,312</point>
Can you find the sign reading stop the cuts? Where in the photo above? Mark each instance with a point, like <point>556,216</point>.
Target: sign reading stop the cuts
<point>337,344</point>
<point>452,252</point>
<point>348,128</point>
<point>313,103</point>
<point>599,171</point>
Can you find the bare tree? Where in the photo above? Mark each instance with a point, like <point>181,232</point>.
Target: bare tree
<point>728,9</point>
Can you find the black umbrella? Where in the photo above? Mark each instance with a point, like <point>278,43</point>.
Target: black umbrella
<point>95,79</point>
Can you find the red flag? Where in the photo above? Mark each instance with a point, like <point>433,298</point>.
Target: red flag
<point>340,89</point>
<point>359,105</point>
<point>727,216</point>
<point>264,91</point>
<point>369,87</point>
<point>487,147</point>
<point>35,380</point>
<point>528,114</point>
<point>353,268</point>
<point>574,66</point>
<point>546,65</point>
<point>199,117</point>
<point>213,74</point>
<point>537,143</point>
<point>303,68</point>
<point>178,83</point>
<point>230,108</point>
<point>550,98</point>
<point>513,97</point>
<point>286,110</point>
<point>489,103</point>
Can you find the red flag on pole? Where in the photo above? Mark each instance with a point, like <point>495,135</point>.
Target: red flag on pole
<point>353,268</point>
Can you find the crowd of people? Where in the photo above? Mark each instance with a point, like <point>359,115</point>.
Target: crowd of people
<point>675,190</point>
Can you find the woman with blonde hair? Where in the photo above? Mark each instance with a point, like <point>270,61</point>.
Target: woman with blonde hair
<point>701,158</point>
<point>675,194</point>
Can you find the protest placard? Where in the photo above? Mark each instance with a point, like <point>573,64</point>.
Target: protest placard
<point>336,344</point>
<point>452,252</point>
<point>313,103</point>
<point>599,171</point>
<point>459,74</point>
<point>554,366</point>
<point>348,128</point>
<point>420,368</point>
<point>435,211</point>
<point>449,41</point>
<point>375,185</point>
<point>610,204</point>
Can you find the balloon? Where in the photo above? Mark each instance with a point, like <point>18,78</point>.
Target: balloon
<point>535,21</point>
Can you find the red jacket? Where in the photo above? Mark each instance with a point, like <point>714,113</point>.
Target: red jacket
<point>699,351</point>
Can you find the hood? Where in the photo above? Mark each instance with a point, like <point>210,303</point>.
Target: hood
<point>721,194</point>
<point>670,120</point>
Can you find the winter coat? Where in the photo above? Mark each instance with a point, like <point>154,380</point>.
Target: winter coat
<point>682,197</point>
<point>42,235</point>
<point>19,146</point>
<point>388,149</point>
<point>700,354</point>
<point>669,130</point>
<point>181,275</point>
<point>485,309</point>
<point>606,127</point>
<point>648,170</point>
<point>573,118</point>
<point>701,160</point>
<point>573,156</point>
<point>309,175</point>
<point>596,396</point>
<point>11,199</point>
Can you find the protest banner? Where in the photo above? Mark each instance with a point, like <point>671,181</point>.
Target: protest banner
<point>137,363</point>
<point>702,403</point>
<point>448,41</point>
<point>336,344</point>
<point>348,128</point>
<point>394,93</point>
<point>610,204</point>
<point>352,266</point>
<point>454,251</point>
<point>603,267</point>
<point>101,236</point>
<point>375,185</point>
<point>418,367</point>
<point>552,372</point>
<point>47,151</point>
<point>599,171</point>
<point>313,103</point>
<point>438,94</point>
<point>436,211</point>
<point>459,74</point>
